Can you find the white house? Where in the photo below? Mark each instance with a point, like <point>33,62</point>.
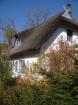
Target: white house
<point>26,45</point>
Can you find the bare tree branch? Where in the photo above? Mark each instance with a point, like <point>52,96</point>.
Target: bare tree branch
<point>38,17</point>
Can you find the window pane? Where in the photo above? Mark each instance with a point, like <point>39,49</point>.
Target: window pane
<point>16,66</point>
<point>69,35</point>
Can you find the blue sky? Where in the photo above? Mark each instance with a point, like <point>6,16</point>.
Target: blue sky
<point>21,9</point>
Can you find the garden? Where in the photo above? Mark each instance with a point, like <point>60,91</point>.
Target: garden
<point>58,84</point>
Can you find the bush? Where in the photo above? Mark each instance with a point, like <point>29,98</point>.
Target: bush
<point>61,91</point>
<point>5,68</point>
<point>59,85</point>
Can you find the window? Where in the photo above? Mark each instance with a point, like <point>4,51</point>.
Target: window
<point>69,35</point>
<point>17,44</point>
<point>16,66</point>
<point>21,66</point>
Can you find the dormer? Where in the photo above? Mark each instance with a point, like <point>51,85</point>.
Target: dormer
<point>68,11</point>
<point>15,42</point>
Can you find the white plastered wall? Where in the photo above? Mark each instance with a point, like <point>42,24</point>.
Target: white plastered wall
<point>52,42</point>
<point>59,34</point>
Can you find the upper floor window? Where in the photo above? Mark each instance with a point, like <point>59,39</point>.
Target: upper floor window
<point>69,35</point>
<point>17,44</point>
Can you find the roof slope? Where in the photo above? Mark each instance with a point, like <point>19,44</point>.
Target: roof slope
<point>32,39</point>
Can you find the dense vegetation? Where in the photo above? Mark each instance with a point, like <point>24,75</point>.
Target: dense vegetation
<point>59,85</point>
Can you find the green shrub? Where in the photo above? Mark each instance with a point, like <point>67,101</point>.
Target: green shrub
<point>5,68</point>
<point>61,83</point>
<point>61,91</point>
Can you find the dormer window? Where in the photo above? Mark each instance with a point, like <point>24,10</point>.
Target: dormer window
<point>69,35</point>
<point>18,43</point>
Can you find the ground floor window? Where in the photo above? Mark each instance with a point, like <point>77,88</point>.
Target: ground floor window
<point>18,66</point>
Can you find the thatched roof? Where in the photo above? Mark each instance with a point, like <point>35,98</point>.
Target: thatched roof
<point>32,39</point>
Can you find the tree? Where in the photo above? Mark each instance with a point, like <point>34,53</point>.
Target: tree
<point>38,17</point>
<point>8,29</point>
<point>5,65</point>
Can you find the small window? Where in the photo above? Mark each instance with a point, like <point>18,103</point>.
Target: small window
<point>69,35</point>
<point>18,43</point>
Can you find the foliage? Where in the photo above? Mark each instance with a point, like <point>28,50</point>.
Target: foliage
<point>9,32</point>
<point>58,61</point>
<point>5,68</point>
<point>75,45</point>
<point>3,47</point>
<point>59,85</point>
<point>62,91</point>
